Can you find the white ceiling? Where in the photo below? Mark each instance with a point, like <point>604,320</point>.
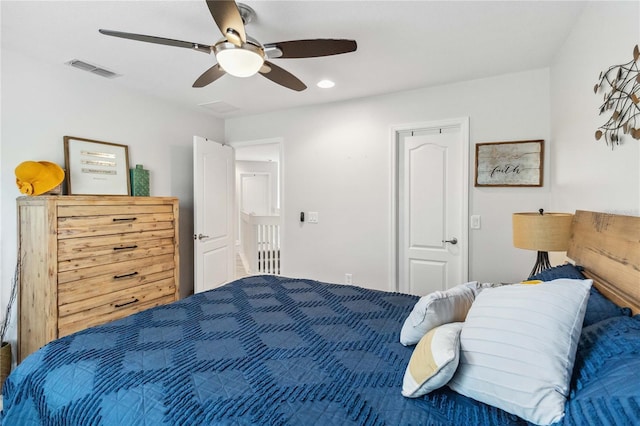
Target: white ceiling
<point>401,44</point>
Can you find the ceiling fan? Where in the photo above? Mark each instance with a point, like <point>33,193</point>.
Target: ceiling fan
<point>242,56</point>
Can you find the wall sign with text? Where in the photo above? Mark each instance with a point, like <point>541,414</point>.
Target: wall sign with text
<point>95,167</point>
<point>510,163</point>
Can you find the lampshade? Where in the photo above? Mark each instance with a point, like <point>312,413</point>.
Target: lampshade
<point>542,232</point>
<point>242,61</point>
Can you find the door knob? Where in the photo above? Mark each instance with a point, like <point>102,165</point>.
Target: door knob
<point>453,241</point>
<point>201,236</point>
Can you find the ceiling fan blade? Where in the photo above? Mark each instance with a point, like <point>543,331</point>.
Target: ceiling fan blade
<point>313,48</point>
<point>159,40</point>
<point>227,16</point>
<point>209,76</point>
<point>282,77</point>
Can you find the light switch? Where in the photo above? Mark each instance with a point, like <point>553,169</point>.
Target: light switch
<point>312,217</point>
<point>475,221</point>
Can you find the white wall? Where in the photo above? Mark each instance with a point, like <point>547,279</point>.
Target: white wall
<point>42,103</point>
<point>337,161</point>
<point>587,174</point>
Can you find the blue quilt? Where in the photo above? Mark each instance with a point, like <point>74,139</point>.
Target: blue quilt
<point>263,350</point>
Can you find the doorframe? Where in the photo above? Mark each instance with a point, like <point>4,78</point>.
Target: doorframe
<point>463,124</point>
<point>281,175</point>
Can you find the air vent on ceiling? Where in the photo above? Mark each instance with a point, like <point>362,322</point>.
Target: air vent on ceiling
<point>220,107</point>
<point>85,66</point>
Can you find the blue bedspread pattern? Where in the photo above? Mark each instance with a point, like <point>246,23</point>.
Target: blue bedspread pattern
<point>263,350</point>
<point>606,388</point>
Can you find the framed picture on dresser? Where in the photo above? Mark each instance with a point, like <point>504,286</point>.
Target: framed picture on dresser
<point>95,167</point>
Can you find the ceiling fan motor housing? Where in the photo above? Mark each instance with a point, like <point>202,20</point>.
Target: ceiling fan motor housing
<point>246,13</point>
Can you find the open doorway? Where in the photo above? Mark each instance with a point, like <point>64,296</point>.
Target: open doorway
<point>258,197</point>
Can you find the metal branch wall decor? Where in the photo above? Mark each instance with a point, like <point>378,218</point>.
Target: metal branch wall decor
<point>621,85</point>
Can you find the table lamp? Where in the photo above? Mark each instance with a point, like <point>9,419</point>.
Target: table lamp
<point>543,232</point>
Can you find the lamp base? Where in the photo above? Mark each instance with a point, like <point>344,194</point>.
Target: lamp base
<point>541,264</point>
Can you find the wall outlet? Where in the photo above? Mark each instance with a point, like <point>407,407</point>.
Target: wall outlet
<point>348,279</point>
<point>312,217</point>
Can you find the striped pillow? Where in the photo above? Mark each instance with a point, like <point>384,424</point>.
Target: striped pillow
<point>518,346</point>
<point>437,308</point>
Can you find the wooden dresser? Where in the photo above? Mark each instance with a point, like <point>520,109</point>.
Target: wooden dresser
<point>87,260</point>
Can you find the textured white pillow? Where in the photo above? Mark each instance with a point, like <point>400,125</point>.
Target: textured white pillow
<point>437,308</point>
<point>518,346</point>
<point>434,360</point>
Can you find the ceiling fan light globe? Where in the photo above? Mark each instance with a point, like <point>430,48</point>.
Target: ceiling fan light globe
<point>242,61</point>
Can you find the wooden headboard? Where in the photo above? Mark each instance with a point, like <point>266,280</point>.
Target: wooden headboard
<point>607,246</point>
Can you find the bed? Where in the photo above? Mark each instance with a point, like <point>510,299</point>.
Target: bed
<point>272,350</point>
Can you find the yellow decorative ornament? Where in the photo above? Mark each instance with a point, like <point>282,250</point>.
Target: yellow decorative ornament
<point>38,177</point>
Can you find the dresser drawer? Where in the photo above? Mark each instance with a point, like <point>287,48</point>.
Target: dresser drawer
<point>111,209</point>
<point>104,314</point>
<point>112,253</point>
<point>91,226</point>
<point>75,291</point>
<point>75,248</point>
<point>112,301</point>
<point>113,272</point>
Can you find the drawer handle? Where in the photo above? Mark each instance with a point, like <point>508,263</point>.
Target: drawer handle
<point>124,219</point>
<point>126,303</point>
<point>126,248</point>
<point>117,277</point>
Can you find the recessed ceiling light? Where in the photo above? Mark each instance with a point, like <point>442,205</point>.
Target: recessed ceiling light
<point>326,84</point>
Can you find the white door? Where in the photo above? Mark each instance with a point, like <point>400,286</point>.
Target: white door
<point>213,185</point>
<point>432,208</point>
<point>255,194</point>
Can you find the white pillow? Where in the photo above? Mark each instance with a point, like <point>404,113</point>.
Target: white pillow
<point>434,361</point>
<point>518,346</point>
<point>437,308</point>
